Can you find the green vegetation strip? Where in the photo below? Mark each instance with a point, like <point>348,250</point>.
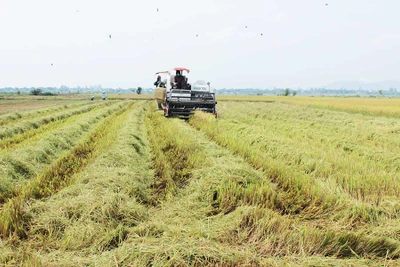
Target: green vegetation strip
<point>297,191</point>
<point>302,161</point>
<point>46,123</point>
<point>106,200</point>
<point>34,135</point>
<point>188,170</point>
<point>331,147</point>
<point>12,220</point>
<point>382,107</point>
<point>28,124</point>
<point>175,154</point>
<point>16,116</point>
<point>225,212</point>
<point>29,159</point>
<point>301,233</point>
<point>205,207</point>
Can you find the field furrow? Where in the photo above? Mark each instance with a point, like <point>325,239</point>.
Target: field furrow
<point>21,164</point>
<point>30,105</point>
<point>379,107</point>
<point>33,113</point>
<point>175,154</point>
<point>23,134</point>
<point>58,175</point>
<point>299,142</point>
<point>266,184</point>
<point>298,192</point>
<point>316,200</point>
<point>215,200</point>
<point>26,125</point>
<point>106,199</point>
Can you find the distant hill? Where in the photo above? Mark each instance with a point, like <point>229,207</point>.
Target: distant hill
<point>356,85</point>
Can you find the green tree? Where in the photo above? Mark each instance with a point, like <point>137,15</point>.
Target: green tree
<point>294,93</point>
<point>139,90</point>
<point>287,92</point>
<point>36,91</point>
<point>380,92</point>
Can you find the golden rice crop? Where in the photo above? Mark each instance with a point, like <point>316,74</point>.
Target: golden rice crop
<point>368,106</point>
<point>51,180</point>
<point>20,164</point>
<point>12,117</point>
<point>266,184</point>
<point>18,132</point>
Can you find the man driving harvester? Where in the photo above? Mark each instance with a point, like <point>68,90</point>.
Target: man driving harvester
<point>180,81</point>
<point>179,98</point>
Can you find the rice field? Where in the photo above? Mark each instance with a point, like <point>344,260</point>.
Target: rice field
<point>273,181</point>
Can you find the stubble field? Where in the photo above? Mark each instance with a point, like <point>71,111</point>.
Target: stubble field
<point>274,181</point>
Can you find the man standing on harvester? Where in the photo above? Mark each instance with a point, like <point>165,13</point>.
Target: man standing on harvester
<point>159,83</point>
<point>160,92</point>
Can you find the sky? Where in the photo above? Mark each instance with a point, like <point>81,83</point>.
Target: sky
<point>304,43</point>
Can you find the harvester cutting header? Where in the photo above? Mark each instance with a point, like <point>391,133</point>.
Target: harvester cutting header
<point>176,96</point>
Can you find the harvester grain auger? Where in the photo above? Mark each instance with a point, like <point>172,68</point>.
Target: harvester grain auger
<point>179,98</point>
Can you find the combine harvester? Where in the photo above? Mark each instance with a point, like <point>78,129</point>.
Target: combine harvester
<point>179,98</point>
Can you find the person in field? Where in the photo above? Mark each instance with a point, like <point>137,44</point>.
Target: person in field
<point>159,84</point>
<point>103,96</point>
<point>180,80</point>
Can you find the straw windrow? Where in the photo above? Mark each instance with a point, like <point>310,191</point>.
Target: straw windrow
<point>266,184</point>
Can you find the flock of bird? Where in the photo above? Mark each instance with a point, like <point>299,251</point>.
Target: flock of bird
<point>197,35</point>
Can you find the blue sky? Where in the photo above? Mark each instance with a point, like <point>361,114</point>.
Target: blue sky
<point>304,44</point>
